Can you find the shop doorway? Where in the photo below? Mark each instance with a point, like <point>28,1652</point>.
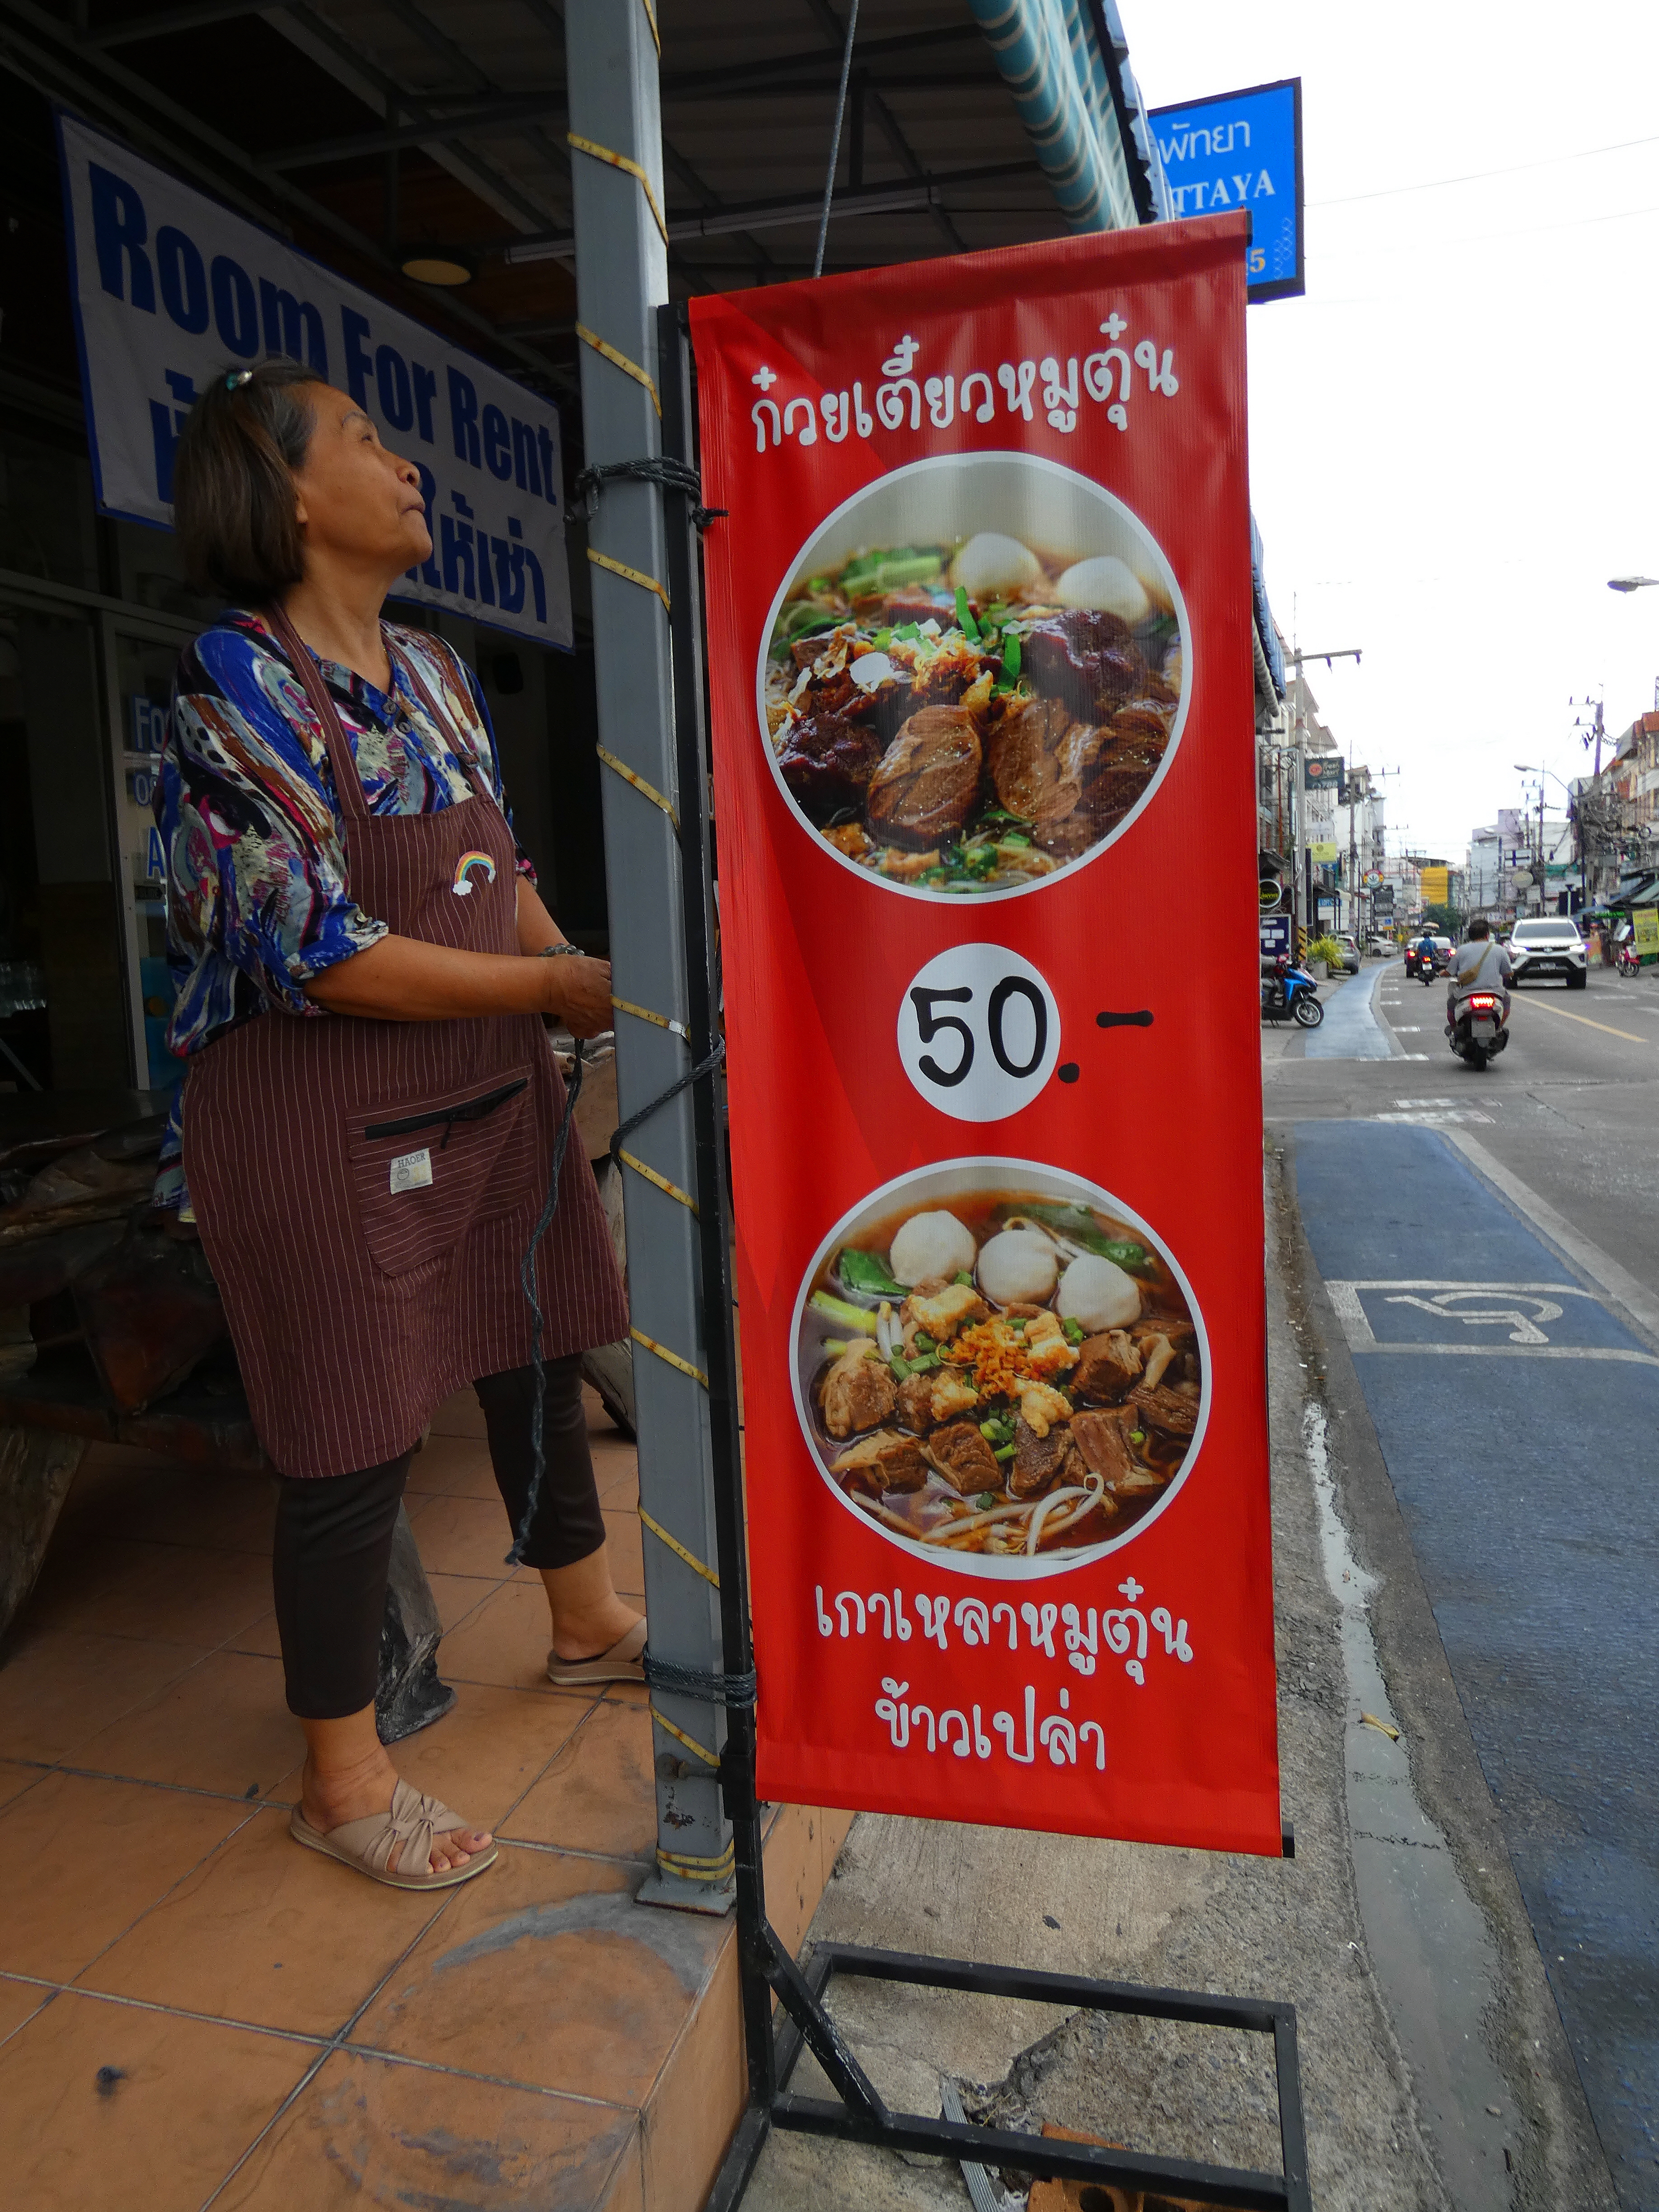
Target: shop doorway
<point>139,657</point>
<point>82,690</point>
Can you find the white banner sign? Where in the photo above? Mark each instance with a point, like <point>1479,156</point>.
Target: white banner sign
<point>172,290</point>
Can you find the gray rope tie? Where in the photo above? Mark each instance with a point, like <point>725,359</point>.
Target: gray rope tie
<point>652,468</point>
<point>695,1682</point>
<point>692,1075</point>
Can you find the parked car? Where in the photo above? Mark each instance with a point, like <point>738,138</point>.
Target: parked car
<point>1384,948</point>
<point>1350,951</point>
<point>1549,946</point>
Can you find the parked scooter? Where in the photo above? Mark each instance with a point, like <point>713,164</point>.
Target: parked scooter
<point>1479,1031</point>
<point>1290,994</point>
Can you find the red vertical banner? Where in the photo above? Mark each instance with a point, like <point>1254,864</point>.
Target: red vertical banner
<point>979,622</point>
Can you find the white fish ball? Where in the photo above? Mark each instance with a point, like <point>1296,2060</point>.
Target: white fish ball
<point>930,1248</point>
<point>990,563</point>
<point>1018,1266</point>
<point>1107,585</point>
<point>1098,1294</point>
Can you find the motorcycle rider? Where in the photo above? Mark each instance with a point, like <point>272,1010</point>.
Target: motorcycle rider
<point>1424,951</point>
<point>1479,964</point>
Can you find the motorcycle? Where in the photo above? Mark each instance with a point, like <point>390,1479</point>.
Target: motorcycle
<point>1626,960</point>
<point>1292,996</point>
<point>1479,1032</point>
<point>1429,965</point>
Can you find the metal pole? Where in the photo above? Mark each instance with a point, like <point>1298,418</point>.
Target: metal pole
<point>622,278</point>
<point>713,1223</point>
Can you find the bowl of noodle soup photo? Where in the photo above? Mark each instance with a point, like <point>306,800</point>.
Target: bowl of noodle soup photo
<point>975,675</point>
<point>999,1368</point>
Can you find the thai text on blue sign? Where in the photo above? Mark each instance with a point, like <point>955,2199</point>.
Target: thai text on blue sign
<point>1243,150</point>
<point>172,290</point>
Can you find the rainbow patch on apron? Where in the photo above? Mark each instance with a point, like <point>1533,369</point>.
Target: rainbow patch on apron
<point>461,886</point>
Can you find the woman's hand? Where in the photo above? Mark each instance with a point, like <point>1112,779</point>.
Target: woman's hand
<point>579,994</point>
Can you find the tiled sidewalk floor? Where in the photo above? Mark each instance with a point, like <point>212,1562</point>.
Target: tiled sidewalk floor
<point>194,2011</point>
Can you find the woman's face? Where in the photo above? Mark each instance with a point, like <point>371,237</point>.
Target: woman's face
<point>357,501</point>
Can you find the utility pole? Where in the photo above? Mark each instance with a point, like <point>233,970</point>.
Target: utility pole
<point>1304,896</point>
<point>622,278</point>
<point>1543,857</point>
<point>1594,730</point>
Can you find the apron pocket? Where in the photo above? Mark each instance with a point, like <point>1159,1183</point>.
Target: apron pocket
<point>426,1171</point>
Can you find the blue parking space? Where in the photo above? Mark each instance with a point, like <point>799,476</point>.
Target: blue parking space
<point>1526,1481</point>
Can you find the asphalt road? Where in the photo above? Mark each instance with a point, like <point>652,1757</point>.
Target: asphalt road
<point>1488,1245</point>
<point>1571,1107</point>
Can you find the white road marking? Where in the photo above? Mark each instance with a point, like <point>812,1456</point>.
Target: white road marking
<point>1434,1117</point>
<point>1408,1029</point>
<point>1523,1328</point>
<point>1526,1340</point>
<point>1619,1285</point>
<point>1524,1351</point>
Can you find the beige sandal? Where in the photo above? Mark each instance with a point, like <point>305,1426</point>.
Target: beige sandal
<point>621,1664</point>
<point>379,1841</point>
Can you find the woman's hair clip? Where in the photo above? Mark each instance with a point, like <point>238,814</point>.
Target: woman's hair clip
<point>237,378</point>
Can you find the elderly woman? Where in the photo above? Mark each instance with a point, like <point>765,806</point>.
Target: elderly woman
<point>364,972</point>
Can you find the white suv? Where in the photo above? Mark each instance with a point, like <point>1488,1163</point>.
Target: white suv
<point>1549,946</point>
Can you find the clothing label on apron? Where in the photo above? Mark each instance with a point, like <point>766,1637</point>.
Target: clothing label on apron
<point>411,1171</point>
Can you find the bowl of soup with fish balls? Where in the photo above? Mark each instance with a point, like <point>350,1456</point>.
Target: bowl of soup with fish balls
<point>974,675</point>
<point>999,1368</point>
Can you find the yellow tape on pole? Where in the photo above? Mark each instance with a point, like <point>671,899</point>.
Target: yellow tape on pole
<point>629,575</point>
<point>597,153</point>
<point>620,360</point>
<point>646,791</point>
<point>677,1548</point>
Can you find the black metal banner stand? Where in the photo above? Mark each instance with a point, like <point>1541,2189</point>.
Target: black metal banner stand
<point>766,1970</point>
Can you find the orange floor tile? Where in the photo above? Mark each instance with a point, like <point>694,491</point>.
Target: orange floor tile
<point>195,2013</point>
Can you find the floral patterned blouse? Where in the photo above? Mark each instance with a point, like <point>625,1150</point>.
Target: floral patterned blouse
<point>259,902</point>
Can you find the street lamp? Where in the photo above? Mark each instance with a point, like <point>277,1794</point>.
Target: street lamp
<point>1630,583</point>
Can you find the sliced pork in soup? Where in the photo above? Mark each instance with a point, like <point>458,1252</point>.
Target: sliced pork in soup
<point>972,718</point>
<point>1040,1398</point>
<point>927,779</point>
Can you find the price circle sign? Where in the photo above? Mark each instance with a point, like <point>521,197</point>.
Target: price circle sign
<point>979,1032</point>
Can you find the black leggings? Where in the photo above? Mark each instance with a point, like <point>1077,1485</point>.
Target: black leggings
<point>333,1543</point>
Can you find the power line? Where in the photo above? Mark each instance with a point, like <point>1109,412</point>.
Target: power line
<point>1479,176</point>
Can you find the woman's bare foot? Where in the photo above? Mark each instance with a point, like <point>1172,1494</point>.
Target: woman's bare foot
<point>588,1617</point>
<point>593,1633</point>
<point>337,1790</point>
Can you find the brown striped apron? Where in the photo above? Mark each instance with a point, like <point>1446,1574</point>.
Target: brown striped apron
<point>365,1189</point>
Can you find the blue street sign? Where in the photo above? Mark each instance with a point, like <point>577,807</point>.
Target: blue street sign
<point>1243,150</point>
<point>1275,936</point>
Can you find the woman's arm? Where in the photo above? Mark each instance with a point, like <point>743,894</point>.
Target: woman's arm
<point>405,979</point>
<point>537,927</point>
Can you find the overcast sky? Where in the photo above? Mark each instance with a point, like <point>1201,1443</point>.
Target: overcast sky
<point>1453,436</point>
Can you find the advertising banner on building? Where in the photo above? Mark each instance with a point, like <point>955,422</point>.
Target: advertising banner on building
<point>979,631</point>
<point>171,289</point>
